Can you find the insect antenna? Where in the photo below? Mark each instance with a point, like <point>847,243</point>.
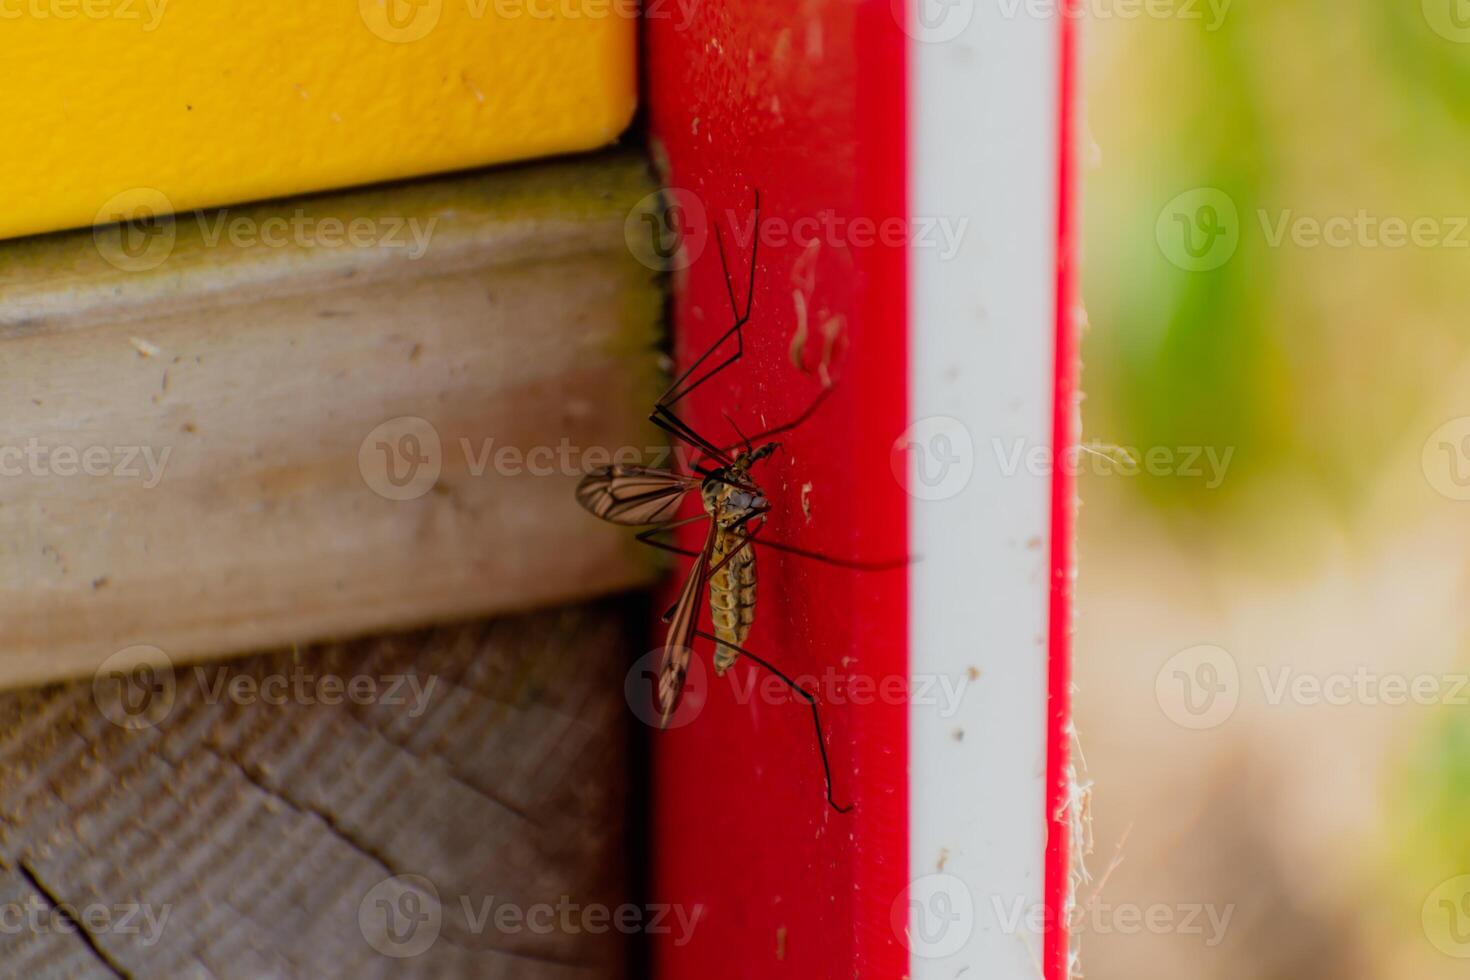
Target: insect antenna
<point>806,696</point>
<point>734,425</point>
<point>806,413</point>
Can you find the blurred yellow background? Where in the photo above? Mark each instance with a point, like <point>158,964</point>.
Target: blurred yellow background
<point>1273,641</point>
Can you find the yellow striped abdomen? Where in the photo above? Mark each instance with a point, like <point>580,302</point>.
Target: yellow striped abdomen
<point>731,597</point>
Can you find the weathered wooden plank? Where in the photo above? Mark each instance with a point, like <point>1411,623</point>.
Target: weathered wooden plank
<point>188,454</point>
<point>242,820</point>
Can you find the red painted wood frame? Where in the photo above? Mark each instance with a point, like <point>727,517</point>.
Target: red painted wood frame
<point>809,103</point>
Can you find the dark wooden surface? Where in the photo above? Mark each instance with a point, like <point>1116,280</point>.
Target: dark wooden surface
<point>275,837</point>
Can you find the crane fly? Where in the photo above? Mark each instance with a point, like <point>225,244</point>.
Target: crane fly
<point>735,509</point>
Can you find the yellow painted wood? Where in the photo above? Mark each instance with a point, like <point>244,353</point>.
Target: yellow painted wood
<point>114,109</point>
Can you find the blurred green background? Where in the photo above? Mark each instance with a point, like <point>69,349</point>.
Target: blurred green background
<point>1277,264</point>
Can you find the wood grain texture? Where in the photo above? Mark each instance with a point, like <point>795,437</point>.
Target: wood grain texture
<point>253,375</point>
<point>258,837</point>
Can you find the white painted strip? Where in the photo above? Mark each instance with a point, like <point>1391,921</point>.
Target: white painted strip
<point>983,163</point>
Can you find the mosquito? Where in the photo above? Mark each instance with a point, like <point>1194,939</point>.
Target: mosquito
<point>736,510</point>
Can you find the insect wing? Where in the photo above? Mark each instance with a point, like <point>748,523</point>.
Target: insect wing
<point>633,495</point>
<point>674,664</point>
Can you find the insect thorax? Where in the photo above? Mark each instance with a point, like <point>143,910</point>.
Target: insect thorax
<point>731,505</point>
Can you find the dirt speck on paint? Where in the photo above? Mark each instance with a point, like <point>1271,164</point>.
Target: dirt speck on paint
<point>943,859</point>
<point>973,673</point>
<point>145,348</point>
<point>781,943</point>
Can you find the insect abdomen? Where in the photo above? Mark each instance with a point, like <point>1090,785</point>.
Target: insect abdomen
<point>731,598</point>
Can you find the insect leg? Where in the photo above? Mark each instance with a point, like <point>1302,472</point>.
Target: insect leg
<point>700,556</point>
<point>861,566</point>
<point>697,554</point>
<point>806,696</point>
<point>646,537</point>
<point>680,429</point>
<point>682,386</point>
